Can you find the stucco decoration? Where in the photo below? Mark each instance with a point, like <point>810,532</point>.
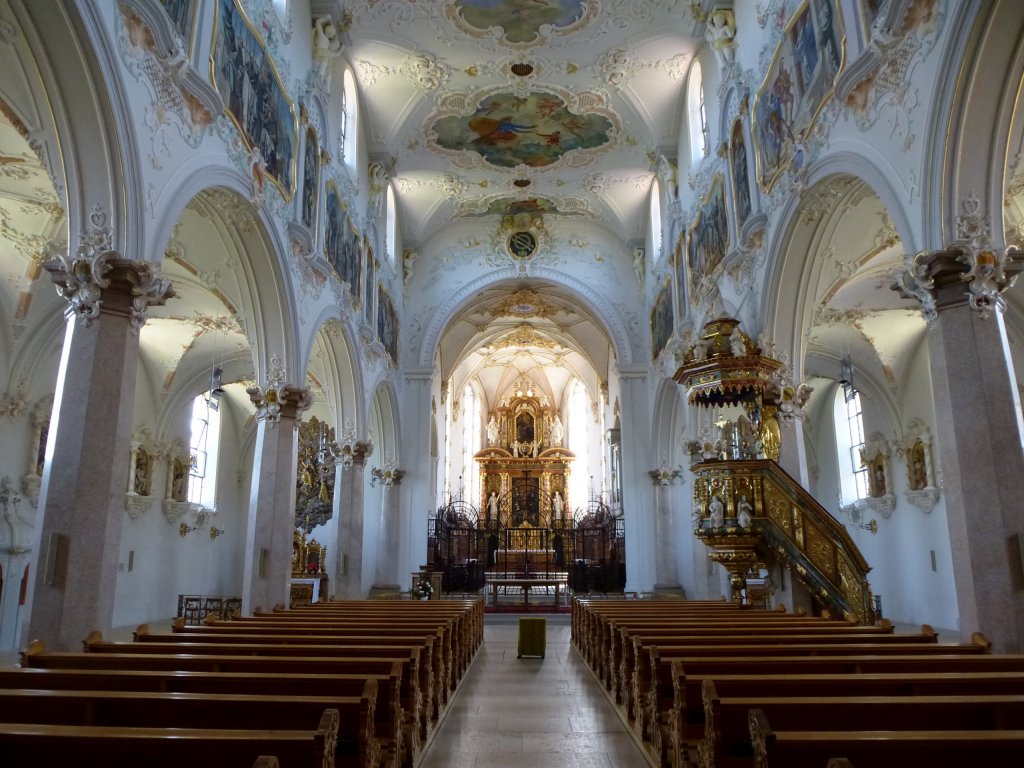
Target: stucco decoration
<point>537,129</point>
<point>518,24</point>
<point>875,456</point>
<point>182,100</point>
<point>916,450</point>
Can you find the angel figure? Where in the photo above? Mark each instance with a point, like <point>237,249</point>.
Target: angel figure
<point>326,45</point>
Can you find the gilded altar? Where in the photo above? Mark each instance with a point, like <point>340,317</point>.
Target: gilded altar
<point>525,469</point>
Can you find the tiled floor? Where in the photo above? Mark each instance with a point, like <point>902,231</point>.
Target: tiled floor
<point>530,713</point>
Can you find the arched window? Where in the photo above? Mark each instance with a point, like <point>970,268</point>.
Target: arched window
<point>655,219</point>
<point>849,424</point>
<point>697,116</point>
<point>349,121</point>
<point>391,231</point>
<point>577,431</point>
<point>203,444</point>
<point>470,444</point>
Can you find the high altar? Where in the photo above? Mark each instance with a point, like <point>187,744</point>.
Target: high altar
<point>525,470</point>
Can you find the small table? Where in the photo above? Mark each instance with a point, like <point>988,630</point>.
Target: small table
<point>526,585</point>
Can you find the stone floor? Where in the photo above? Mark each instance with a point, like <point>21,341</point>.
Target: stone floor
<point>534,713</point>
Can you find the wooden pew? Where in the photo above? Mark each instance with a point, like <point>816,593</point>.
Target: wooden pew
<point>387,713</point>
<point>726,742</point>
<point>434,690</point>
<point>116,747</point>
<point>883,748</point>
<point>354,743</point>
<point>411,699</point>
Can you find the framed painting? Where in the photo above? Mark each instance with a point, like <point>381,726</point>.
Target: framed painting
<point>387,324</point>
<point>661,320</point>
<point>679,270</point>
<point>798,83</point>
<point>253,94</point>
<point>708,238</point>
<point>369,280</point>
<point>335,224</point>
<point>310,179</point>
<point>742,205</point>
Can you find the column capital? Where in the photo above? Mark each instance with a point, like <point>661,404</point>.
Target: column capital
<point>965,273</point>
<point>664,475</point>
<point>352,454</point>
<point>277,402</point>
<point>100,281</point>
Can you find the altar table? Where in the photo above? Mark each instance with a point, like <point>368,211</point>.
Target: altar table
<point>526,585</point>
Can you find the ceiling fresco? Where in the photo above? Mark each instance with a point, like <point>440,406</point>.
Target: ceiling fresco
<point>509,206</point>
<point>520,22</point>
<point>534,129</point>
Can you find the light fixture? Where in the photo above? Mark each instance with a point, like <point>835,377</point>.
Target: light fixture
<point>215,532</point>
<point>846,374</point>
<point>185,529</point>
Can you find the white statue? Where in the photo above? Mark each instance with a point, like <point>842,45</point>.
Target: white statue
<point>557,431</point>
<point>326,45</point>
<point>492,504</point>
<point>557,504</point>
<point>492,431</point>
<point>717,512</point>
<point>721,35</point>
<point>515,449</point>
<point>536,446</point>
<point>744,512</point>
<point>700,352</point>
<point>638,265</point>
<point>737,345</point>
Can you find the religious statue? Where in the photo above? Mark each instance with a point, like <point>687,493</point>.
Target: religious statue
<point>557,431</point>
<point>515,449</point>
<point>737,345</point>
<point>700,352</point>
<point>721,36</point>
<point>142,473</point>
<point>536,447</point>
<point>918,470</point>
<point>492,431</point>
<point>492,505</point>
<point>744,512</point>
<point>178,480</point>
<point>716,511</point>
<point>326,45</point>
<point>557,505</point>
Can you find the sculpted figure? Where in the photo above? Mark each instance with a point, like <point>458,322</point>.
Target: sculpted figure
<point>717,512</point>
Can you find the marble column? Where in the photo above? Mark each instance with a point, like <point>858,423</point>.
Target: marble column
<point>666,569</point>
<point>81,500</point>
<point>637,493</point>
<point>348,511</point>
<point>980,436</point>
<point>386,576</point>
<point>271,526</point>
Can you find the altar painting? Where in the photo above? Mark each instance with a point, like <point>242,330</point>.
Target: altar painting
<point>708,240</point>
<point>509,129</point>
<point>387,324</point>
<point>798,83</point>
<point>661,320</point>
<point>253,93</point>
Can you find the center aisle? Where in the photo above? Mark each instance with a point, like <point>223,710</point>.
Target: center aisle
<point>531,713</point>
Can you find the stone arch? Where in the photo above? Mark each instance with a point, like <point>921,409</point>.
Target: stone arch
<point>602,311</point>
<point>261,254</point>
<point>971,137</point>
<point>342,363</point>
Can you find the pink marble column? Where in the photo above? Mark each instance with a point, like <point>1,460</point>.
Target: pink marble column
<point>271,527</point>
<point>979,437</point>
<point>88,450</point>
<point>348,511</point>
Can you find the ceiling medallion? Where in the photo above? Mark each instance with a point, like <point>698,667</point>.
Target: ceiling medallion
<point>521,244</point>
<point>521,69</point>
<point>522,183</point>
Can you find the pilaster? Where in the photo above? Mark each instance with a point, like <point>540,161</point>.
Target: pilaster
<point>666,571</point>
<point>81,499</point>
<point>386,573</point>
<point>638,496</point>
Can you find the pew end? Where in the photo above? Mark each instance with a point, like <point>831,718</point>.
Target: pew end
<point>979,639</point>
<point>141,630</point>
<point>269,761</point>
<point>91,639</point>
<point>34,648</point>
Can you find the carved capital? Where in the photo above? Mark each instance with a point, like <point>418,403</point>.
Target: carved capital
<point>285,401</point>
<point>98,280</point>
